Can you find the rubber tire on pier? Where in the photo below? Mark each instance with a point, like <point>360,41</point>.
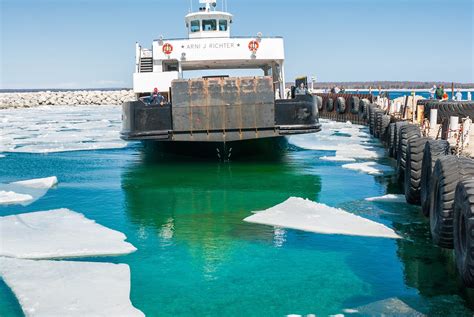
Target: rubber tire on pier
<point>391,139</point>
<point>329,104</point>
<point>447,173</point>
<point>384,131</point>
<point>364,108</point>
<point>463,223</point>
<point>354,104</point>
<point>434,149</point>
<point>371,118</point>
<point>319,102</point>
<point>398,126</point>
<point>340,105</point>
<point>460,109</point>
<point>406,133</point>
<point>414,161</point>
<point>378,114</point>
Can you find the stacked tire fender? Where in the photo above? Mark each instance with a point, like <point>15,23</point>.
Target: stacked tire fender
<point>405,134</point>
<point>364,108</point>
<point>449,171</point>
<point>463,225</point>
<point>447,109</point>
<point>443,184</point>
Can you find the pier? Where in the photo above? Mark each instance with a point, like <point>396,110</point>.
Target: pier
<point>431,143</point>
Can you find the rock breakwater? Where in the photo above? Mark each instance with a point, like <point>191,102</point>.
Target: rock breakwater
<point>60,98</point>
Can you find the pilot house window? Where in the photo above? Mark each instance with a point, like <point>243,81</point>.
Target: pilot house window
<point>222,25</point>
<point>209,25</point>
<point>195,26</point>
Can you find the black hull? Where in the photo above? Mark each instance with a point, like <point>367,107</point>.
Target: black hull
<point>264,148</point>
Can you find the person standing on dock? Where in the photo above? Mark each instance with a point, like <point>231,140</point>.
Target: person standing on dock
<point>469,96</point>
<point>301,90</point>
<point>458,95</point>
<point>440,92</point>
<point>432,92</point>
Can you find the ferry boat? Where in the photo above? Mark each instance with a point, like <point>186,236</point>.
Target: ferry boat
<point>221,115</point>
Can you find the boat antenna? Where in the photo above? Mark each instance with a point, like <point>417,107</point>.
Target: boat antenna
<point>190,6</point>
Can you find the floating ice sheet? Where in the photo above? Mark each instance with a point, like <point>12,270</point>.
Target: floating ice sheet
<point>10,198</point>
<point>25,192</point>
<point>59,233</point>
<point>68,288</point>
<point>387,307</point>
<point>306,215</point>
<point>388,198</point>
<point>60,128</point>
<point>337,158</point>
<point>46,182</point>
<point>369,168</point>
<point>348,140</point>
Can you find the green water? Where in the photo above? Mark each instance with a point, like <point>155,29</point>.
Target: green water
<point>196,257</point>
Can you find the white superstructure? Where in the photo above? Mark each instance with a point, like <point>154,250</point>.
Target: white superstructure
<point>209,46</point>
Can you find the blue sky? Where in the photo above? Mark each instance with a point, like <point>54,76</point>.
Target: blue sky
<point>90,43</point>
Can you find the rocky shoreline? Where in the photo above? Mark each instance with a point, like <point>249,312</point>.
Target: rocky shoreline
<point>60,98</point>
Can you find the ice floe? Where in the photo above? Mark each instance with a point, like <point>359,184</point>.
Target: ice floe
<point>46,182</point>
<point>59,129</point>
<point>10,198</point>
<point>369,168</point>
<point>25,192</point>
<point>68,288</point>
<point>347,140</point>
<point>59,233</point>
<point>388,198</point>
<point>387,307</point>
<point>306,215</point>
<point>337,158</point>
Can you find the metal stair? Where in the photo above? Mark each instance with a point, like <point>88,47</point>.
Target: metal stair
<point>146,65</point>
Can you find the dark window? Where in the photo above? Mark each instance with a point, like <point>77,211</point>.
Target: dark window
<point>195,26</point>
<point>222,25</point>
<point>209,25</point>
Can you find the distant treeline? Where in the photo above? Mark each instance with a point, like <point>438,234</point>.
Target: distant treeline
<point>389,84</point>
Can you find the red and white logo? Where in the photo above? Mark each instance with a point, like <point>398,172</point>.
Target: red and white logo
<point>167,48</point>
<point>253,46</point>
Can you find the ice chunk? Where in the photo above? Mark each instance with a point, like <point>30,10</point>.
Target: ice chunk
<point>301,214</point>
<point>387,307</point>
<point>68,288</point>
<point>389,198</point>
<point>47,182</point>
<point>369,168</point>
<point>33,188</point>
<point>59,233</point>
<point>360,151</point>
<point>337,158</point>
<point>62,128</point>
<point>349,141</point>
<point>8,198</point>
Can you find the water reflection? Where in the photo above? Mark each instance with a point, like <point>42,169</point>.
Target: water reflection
<point>202,204</point>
